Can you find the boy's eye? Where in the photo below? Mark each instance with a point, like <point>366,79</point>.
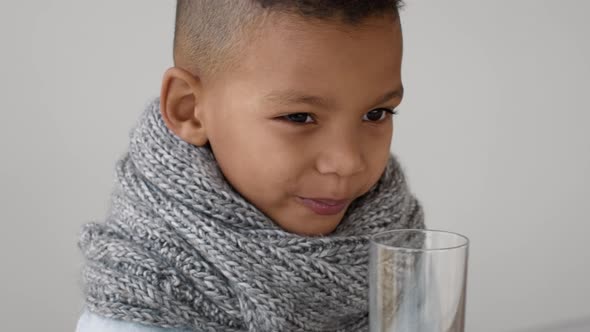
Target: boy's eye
<point>299,118</point>
<point>378,114</point>
<point>375,115</point>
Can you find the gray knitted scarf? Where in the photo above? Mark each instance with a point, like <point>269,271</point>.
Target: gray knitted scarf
<point>181,248</point>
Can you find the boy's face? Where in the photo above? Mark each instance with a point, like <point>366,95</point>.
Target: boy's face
<point>303,117</point>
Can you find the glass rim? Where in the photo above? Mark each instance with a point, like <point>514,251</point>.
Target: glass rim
<point>465,239</point>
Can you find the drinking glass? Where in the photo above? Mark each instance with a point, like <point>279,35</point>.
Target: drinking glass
<point>418,281</point>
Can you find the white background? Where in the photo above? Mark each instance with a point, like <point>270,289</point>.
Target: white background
<point>493,134</point>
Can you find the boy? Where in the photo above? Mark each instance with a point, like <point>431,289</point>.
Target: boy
<point>253,183</point>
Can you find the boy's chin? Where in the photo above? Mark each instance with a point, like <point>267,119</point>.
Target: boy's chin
<point>312,225</point>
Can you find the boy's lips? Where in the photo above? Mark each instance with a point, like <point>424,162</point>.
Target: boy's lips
<point>324,206</point>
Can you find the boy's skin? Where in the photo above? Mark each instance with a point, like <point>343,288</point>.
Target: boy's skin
<point>274,161</point>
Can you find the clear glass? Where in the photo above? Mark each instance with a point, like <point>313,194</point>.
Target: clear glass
<point>418,281</point>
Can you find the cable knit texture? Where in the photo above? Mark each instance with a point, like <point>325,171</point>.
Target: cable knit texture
<point>181,248</point>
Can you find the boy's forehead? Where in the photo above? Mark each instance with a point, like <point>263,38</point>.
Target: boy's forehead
<point>312,48</point>
<point>297,30</point>
<point>303,67</point>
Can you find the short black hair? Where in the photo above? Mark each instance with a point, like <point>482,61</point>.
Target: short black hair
<point>208,31</point>
<point>349,11</point>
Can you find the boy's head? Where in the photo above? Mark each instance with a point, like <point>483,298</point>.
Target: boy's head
<point>293,96</point>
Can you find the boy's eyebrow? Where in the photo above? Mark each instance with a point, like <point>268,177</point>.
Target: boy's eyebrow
<point>290,96</point>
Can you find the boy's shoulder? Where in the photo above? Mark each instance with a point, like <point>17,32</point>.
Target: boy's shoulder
<point>91,322</point>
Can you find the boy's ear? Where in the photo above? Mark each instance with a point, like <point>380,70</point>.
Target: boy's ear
<point>179,99</point>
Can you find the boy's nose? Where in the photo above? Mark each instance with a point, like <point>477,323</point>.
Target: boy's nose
<point>342,156</point>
